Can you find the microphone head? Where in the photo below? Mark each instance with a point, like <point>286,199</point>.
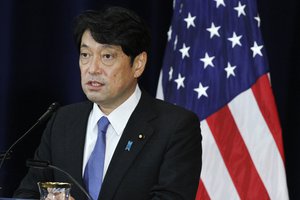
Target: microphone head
<point>49,112</point>
<point>53,106</point>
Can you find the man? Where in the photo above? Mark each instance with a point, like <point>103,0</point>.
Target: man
<point>153,148</point>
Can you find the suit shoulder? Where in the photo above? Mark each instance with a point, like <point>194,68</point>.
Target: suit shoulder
<point>171,109</point>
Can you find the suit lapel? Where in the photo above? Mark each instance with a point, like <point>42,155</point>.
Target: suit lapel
<point>76,140</point>
<point>137,131</point>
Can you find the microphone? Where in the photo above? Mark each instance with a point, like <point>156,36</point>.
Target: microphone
<point>43,118</point>
<point>41,164</point>
<point>49,112</point>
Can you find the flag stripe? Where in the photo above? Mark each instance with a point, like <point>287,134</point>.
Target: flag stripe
<point>236,156</point>
<point>264,96</point>
<point>159,90</point>
<point>213,168</point>
<point>260,143</point>
<point>202,193</point>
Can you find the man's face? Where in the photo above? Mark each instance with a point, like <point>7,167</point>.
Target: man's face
<point>107,76</point>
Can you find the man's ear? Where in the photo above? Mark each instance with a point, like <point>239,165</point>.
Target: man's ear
<point>139,64</point>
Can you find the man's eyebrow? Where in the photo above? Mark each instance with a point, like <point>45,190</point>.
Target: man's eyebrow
<point>105,46</point>
<point>83,45</point>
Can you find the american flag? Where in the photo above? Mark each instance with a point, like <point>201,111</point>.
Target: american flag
<point>215,65</point>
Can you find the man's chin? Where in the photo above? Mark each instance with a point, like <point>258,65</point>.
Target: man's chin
<point>94,98</point>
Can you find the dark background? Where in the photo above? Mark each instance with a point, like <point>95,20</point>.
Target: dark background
<point>39,65</point>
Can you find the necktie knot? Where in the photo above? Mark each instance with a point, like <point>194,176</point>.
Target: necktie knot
<point>103,124</point>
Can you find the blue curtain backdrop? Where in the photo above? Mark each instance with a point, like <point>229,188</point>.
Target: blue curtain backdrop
<point>39,65</point>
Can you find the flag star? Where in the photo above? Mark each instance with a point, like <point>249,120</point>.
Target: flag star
<point>258,20</point>
<point>230,70</point>
<point>170,33</point>
<point>256,49</point>
<point>170,73</point>
<point>201,90</point>
<point>179,81</point>
<point>235,40</point>
<point>175,42</point>
<point>213,30</point>
<point>207,60</point>
<point>219,2</point>
<point>240,9</point>
<point>184,51</point>
<point>190,21</point>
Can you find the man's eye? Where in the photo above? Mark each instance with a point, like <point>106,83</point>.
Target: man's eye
<point>84,55</point>
<point>107,56</point>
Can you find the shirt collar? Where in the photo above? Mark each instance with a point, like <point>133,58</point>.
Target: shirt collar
<point>119,117</point>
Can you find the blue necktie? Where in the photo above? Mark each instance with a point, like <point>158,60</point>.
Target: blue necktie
<point>93,172</point>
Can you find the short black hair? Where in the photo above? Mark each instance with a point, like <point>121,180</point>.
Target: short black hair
<point>114,26</point>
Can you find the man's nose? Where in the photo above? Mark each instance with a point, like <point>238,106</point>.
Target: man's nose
<point>95,66</point>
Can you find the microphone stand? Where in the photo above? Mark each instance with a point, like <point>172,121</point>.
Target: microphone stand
<point>2,155</point>
<point>43,118</point>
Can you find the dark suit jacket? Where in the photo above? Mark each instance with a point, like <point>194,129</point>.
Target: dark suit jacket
<point>164,164</point>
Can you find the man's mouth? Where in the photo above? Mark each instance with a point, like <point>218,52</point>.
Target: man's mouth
<point>95,84</point>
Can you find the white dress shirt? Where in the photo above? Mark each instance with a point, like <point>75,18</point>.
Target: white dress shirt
<point>118,119</point>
